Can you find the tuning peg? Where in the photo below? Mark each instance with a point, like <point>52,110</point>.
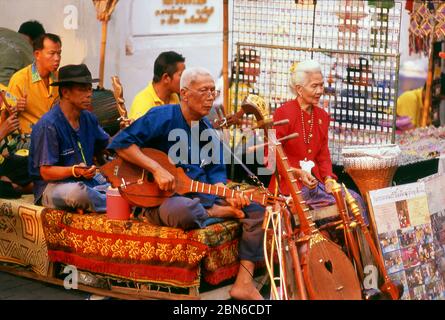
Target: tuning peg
<point>253,148</point>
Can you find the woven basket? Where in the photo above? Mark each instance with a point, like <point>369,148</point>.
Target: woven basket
<point>371,179</point>
<point>370,172</point>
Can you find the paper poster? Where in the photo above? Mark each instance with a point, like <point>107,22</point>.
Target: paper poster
<point>435,188</point>
<point>404,227</point>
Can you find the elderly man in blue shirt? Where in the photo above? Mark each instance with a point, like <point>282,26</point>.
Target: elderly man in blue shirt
<point>173,129</point>
<point>63,143</point>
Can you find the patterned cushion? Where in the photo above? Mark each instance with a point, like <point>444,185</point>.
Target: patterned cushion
<point>140,251</point>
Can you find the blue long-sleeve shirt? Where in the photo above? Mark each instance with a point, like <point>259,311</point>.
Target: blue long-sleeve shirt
<point>196,149</point>
<point>54,142</point>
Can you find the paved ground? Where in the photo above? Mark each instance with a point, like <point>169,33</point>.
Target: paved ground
<point>17,288</point>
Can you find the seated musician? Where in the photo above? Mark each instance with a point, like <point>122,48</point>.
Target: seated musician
<point>33,97</point>
<point>160,128</point>
<point>32,84</point>
<point>164,89</point>
<point>308,153</point>
<point>13,168</point>
<point>63,143</point>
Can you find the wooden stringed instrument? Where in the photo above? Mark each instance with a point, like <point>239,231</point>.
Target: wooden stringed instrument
<point>347,225</point>
<point>118,93</point>
<point>327,271</point>
<point>16,142</point>
<point>138,187</point>
<point>392,289</point>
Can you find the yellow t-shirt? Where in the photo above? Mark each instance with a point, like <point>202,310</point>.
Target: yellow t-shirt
<point>244,89</point>
<point>40,99</point>
<point>147,99</point>
<point>410,104</point>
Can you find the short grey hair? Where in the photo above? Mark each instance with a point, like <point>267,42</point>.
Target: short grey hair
<point>190,75</point>
<point>300,74</point>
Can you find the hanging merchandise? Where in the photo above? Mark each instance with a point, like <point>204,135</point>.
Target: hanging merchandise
<point>420,28</point>
<point>380,21</point>
<point>351,13</point>
<point>440,27</point>
<point>427,20</point>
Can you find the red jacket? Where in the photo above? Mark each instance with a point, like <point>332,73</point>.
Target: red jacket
<point>296,149</point>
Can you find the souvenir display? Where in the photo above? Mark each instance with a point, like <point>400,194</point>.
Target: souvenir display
<point>360,83</point>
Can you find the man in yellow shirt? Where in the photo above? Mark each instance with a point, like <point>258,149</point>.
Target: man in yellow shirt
<point>164,89</point>
<point>31,85</point>
<point>410,104</point>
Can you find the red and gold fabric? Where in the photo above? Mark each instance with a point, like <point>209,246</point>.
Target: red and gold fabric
<point>142,252</point>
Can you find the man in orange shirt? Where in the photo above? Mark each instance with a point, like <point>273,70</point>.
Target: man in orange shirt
<point>31,85</point>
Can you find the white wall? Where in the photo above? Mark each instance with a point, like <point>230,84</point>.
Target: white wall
<point>133,66</point>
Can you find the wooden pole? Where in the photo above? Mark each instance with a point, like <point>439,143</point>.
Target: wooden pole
<point>226,57</point>
<point>426,110</point>
<point>103,45</point>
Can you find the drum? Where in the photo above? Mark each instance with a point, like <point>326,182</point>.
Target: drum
<point>371,167</point>
<point>105,109</point>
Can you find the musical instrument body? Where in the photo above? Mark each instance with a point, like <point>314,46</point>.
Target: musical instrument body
<point>138,187</point>
<point>393,290</point>
<point>327,271</point>
<point>103,106</point>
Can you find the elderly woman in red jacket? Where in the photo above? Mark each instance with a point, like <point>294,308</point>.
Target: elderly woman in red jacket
<point>308,153</point>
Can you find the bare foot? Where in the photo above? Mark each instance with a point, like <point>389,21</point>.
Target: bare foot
<point>218,211</point>
<point>245,292</point>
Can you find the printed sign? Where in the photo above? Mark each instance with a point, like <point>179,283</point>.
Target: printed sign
<point>404,228</point>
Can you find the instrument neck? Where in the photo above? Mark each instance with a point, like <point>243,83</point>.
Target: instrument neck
<point>224,192</point>
<point>306,224</point>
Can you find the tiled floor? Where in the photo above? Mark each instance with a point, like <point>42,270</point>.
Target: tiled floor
<point>18,288</point>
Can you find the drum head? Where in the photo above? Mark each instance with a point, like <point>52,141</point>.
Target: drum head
<point>105,109</point>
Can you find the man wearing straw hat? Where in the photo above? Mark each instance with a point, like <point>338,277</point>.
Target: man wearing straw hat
<point>63,143</point>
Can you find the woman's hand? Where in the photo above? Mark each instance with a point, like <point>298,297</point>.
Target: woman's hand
<point>306,178</point>
<point>22,103</point>
<point>329,184</point>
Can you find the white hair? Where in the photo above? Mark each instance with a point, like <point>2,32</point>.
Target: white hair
<point>190,75</point>
<point>299,76</point>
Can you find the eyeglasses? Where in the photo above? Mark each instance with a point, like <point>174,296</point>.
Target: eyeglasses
<point>205,92</point>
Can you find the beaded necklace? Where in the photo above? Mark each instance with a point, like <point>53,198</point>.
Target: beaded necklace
<point>307,139</point>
